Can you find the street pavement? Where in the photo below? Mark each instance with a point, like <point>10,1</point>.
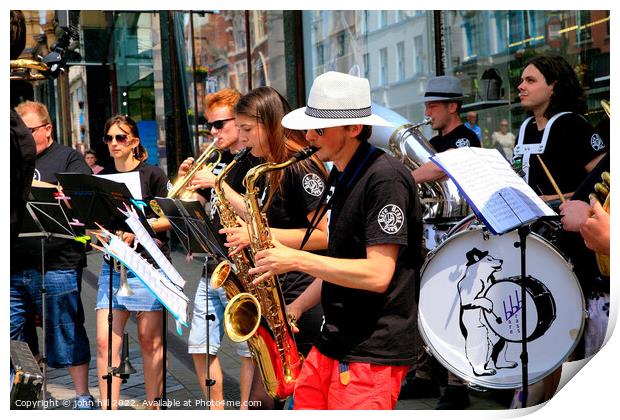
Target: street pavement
<point>182,388</point>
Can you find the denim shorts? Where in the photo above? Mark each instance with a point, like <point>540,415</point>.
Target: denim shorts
<point>66,340</point>
<point>141,300</point>
<point>197,341</point>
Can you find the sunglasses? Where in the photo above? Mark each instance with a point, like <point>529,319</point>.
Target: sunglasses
<point>120,138</point>
<point>319,131</point>
<point>219,124</point>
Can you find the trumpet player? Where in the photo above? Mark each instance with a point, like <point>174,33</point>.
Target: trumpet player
<point>220,113</point>
<point>123,141</point>
<point>368,282</point>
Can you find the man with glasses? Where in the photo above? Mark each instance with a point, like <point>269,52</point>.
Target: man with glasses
<point>220,115</point>
<point>66,340</point>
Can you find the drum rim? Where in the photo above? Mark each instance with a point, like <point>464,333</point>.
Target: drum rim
<point>470,378</point>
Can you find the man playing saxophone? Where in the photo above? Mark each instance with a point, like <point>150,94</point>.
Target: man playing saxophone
<point>289,199</point>
<point>368,282</point>
<point>220,107</point>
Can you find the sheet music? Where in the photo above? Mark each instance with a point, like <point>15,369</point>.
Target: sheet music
<point>175,301</point>
<point>130,179</point>
<point>500,197</point>
<point>145,239</point>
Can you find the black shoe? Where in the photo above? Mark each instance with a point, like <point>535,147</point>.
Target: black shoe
<point>414,388</point>
<point>454,398</point>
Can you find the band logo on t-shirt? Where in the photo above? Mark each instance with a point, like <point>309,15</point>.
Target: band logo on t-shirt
<point>462,142</point>
<point>597,142</point>
<point>391,219</point>
<point>313,184</point>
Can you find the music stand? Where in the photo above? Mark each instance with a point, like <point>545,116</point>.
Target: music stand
<point>97,202</point>
<point>198,237</point>
<point>47,216</point>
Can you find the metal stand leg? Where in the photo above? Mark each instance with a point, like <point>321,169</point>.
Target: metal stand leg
<point>43,324</point>
<point>523,232</point>
<point>208,317</point>
<point>109,375</point>
<point>164,398</point>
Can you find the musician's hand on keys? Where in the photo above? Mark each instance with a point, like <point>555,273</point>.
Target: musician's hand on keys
<point>237,238</point>
<point>202,179</point>
<point>574,214</point>
<point>294,312</point>
<point>273,261</point>
<point>595,230</point>
<point>187,163</point>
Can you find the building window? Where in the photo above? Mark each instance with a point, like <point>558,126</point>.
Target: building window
<point>320,53</point>
<point>383,19</point>
<point>418,49</point>
<point>383,66</point>
<point>340,49</point>
<point>400,51</point>
<point>366,66</point>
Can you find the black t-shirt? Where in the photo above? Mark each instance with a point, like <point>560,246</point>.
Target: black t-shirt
<point>299,194</point>
<point>381,208</point>
<point>60,254</point>
<point>571,145</point>
<point>461,136</point>
<point>23,156</point>
<point>153,183</point>
<point>571,243</point>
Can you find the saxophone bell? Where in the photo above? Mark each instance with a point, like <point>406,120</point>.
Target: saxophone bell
<point>242,317</point>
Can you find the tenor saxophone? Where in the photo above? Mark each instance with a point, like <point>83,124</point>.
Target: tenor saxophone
<point>234,280</point>
<point>270,337</point>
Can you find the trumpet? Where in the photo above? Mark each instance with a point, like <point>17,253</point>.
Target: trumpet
<point>179,189</point>
<point>124,289</point>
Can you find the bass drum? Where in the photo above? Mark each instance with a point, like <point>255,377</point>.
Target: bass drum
<point>470,308</point>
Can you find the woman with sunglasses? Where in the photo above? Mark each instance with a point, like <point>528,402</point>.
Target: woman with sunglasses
<point>123,141</point>
<point>290,199</point>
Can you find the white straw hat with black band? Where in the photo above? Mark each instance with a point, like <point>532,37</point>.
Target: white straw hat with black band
<point>443,88</point>
<point>335,99</point>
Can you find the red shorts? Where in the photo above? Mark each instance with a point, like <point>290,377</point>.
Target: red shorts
<point>370,386</point>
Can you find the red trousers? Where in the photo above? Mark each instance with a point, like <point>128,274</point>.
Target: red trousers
<point>370,387</point>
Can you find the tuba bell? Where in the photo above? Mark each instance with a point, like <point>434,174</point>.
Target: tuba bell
<point>441,200</point>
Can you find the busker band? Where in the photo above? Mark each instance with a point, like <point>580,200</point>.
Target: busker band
<point>321,286</point>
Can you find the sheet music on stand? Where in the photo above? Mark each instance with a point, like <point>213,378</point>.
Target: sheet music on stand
<point>193,228</point>
<point>500,197</point>
<point>97,199</point>
<point>49,214</point>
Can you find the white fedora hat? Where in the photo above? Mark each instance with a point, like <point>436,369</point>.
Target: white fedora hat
<point>335,99</point>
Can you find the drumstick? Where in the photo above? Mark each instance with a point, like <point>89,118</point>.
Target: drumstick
<point>555,186</point>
